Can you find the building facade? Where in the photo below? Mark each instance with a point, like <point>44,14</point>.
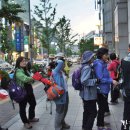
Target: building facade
<point>116,25</point>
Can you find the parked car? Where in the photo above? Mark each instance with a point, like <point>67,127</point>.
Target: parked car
<point>5,66</point>
<point>38,61</point>
<point>43,62</point>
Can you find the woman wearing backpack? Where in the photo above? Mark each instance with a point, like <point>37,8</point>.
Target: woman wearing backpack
<point>100,67</point>
<point>88,93</point>
<point>112,67</point>
<point>24,79</point>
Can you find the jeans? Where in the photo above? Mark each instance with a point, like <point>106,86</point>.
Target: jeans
<point>89,114</point>
<point>22,108</point>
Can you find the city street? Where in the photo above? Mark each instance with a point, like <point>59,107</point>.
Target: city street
<point>6,109</point>
<point>10,118</point>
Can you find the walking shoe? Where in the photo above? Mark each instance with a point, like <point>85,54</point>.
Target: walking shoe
<point>102,128</point>
<point>107,114</point>
<point>34,120</point>
<point>27,125</point>
<point>66,126</point>
<point>108,129</point>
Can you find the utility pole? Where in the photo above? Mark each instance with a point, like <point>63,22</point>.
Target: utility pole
<point>30,34</point>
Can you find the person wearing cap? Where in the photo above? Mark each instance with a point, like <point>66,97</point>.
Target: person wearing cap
<point>102,73</point>
<point>89,91</point>
<point>62,102</point>
<point>66,70</point>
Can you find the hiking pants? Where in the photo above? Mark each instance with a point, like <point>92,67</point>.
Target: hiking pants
<point>89,114</point>
<point>61,111</point>
<point>126,114</point>
<point>107,106</point>
<point>102,106</point>
<point>22,108</point>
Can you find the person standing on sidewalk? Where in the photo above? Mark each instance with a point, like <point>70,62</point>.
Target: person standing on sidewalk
<point>125,65</point>
<point>24,79</point>
<point>100,67</point>
<point>62,102</point>
<point>112,68</point>
<point>89,91</point>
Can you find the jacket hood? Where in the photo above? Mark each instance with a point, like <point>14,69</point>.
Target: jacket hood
<point>60,64</point>
<point>97,61</point>
<point>117,61</point>
<point>127,58</point>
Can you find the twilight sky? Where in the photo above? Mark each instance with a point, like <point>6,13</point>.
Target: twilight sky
<point>82,14</point>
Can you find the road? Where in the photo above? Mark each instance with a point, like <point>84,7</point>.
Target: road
<point>6,110</point>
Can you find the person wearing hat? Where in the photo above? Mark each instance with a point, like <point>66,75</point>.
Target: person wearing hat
<point>102,73</point>
<point>89,91</point>
<point>66,70</point>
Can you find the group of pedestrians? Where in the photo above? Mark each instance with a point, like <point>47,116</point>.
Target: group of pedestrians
<point>99,75</point>
<point>96,83</point>
<point>24,78</point>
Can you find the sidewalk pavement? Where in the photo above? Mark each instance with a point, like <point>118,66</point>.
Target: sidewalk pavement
<point>74,115</point>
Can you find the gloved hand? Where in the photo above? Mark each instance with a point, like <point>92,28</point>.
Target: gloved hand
<point>46,81</point>
<point>37,76</point>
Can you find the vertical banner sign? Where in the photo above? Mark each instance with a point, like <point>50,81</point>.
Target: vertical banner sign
<point>22,39</point>
<point>19,39</point>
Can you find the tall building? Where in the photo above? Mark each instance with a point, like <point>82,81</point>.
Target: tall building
<point>116,20</point>
<point>108,28</point>
<point>121,27</point>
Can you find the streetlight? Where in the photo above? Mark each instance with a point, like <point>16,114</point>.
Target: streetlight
<point>30,33</point>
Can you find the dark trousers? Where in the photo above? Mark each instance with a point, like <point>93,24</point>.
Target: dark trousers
<point>107,106</point>
<point>89,114</point>
<point>30,99</point>
<point>126,114</point>
<point>114,93</point>
<point>102,107</point>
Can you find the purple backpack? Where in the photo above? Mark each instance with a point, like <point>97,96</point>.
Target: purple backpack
<point>76,83</point>
<point>16,92</point>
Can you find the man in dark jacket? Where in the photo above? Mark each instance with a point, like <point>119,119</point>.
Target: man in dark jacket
<point>125,64</point>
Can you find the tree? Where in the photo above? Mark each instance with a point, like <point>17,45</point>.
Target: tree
<point>63,34</point>
<point>9,11</point>
<point>86,45</point>
<point>46,14</point>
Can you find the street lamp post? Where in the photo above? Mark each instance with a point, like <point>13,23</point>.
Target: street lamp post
<point>30,34</point>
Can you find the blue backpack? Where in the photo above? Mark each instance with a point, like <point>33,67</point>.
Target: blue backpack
<point>76,82</point>
<point>17,93</point>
